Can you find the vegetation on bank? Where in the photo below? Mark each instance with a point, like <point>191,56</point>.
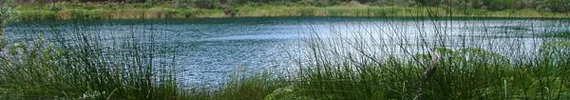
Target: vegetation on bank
<point>542,5</point>
<point>78,65</point>
<point>96,10</point>
<point>7,14</point>
<point>75,64</point>
<point>558,34</point>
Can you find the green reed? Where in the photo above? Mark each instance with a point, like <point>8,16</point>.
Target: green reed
<point>364,67</point>
<point>81,65</point>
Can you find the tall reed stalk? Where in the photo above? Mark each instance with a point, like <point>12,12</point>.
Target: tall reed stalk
<point>435,61</point>
<point>78,65</point>
<point>435,57</point>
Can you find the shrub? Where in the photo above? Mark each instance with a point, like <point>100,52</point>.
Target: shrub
<point>498,4</point>
<point>558,5</point>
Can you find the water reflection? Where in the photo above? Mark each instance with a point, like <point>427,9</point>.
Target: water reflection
<point>211,49</point>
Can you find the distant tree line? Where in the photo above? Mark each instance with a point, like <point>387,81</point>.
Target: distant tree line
<point>549,5</point>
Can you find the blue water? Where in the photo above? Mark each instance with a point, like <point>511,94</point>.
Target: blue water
<point>210,50</point>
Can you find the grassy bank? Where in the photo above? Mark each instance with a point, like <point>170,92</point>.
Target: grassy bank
<point>75,64</point>
<point>157,11</point>
<point>83,69</point>
<point>39,71</point>
<point>363,65</point>
<point>79,65</point>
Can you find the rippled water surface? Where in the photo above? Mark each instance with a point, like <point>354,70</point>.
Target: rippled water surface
<point>209,50</point>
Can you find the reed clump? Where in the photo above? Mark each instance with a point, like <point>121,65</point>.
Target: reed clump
<point>366,64</point>
<point>386,63</point>
<point>84,69</point>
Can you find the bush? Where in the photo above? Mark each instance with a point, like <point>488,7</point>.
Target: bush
<point>498,4</point>
<point>204,4</point>
<point>558,5</point>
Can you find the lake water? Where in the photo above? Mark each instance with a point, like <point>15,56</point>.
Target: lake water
<point>211,49</point>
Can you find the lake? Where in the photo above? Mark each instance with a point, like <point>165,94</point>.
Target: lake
<point>210,50</point>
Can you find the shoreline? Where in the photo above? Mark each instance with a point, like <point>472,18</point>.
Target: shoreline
<point>320,17</point>
<point>67,11</point>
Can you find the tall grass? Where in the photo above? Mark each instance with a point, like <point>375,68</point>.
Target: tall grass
<point>380,62</point>
<point>66,11</point>
<point>78,65</point>
<point>388,62</point>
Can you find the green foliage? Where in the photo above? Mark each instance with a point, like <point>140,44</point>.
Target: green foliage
<point>558,5</point>
<point>457,72</point>
<point>249,87</point>
<point>39,15</point>
<point>460,74</point>
<point>556,51</point>
<point>7,12</point>
<point>77,66</point>
<point>85,14</point>
<point>66,10</point>
<point>286,93</point>
<point>556,34</point>
<point>80,70</point>
<point>499,4</point>
<point>56,6</point>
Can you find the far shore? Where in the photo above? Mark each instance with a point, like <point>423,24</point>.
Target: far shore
<point>65,11</point>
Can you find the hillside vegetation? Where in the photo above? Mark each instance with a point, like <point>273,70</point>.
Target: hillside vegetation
<point>152,9</point>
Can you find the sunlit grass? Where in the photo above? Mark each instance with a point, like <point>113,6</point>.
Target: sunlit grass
<point>77,65</point>
<point>65,10</point>
<point>368,64</point>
